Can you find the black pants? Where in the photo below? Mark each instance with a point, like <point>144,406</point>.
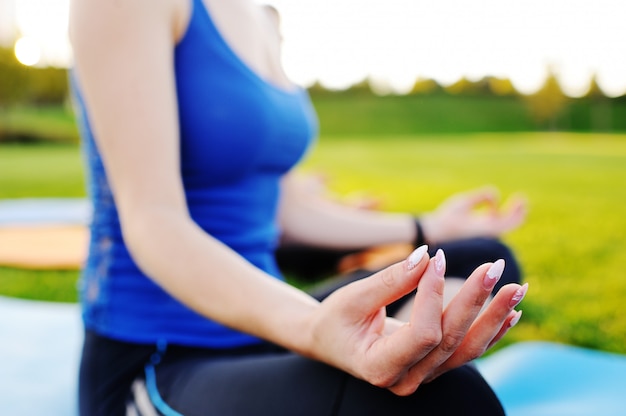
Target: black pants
<point>261,380</point>
<point>266,380</point>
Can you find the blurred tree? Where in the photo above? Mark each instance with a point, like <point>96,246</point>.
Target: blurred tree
<point>594,91</point>
<point>464,86</point>
<point>47,85</point>
<point>599,107</point>
<point>363,87</point>
<point>317,88</point>
<point>13,78</point>
<point>500,86</point>
<point>548,103</point>
<point>21,84</point>
<point>24,86</point>
<point>425,86</point>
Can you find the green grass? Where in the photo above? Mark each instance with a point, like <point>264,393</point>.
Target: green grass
<point>33,124</point>
<point>366,114</point>
<point>40,170</point>
<point>56,285</point>
<point>571,247</point>
<point>356,114</point>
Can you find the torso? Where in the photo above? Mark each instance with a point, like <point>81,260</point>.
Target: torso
<point>240,131</point>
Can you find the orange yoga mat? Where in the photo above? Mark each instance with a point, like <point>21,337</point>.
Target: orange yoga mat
<point>43,246</point>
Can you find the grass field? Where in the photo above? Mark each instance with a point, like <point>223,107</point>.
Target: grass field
<point>571,248</point>
<point>40,170</point>
<point>30,124</point>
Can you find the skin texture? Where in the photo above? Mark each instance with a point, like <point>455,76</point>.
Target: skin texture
<point>124,62</point>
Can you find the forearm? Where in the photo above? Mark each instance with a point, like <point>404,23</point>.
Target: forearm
<point>350,229</point>
<point>319,221</point>
<point>216,282</point>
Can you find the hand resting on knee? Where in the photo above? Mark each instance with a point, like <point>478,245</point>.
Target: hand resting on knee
<point>351,330</point>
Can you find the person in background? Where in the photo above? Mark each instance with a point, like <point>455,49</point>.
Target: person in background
<point>191,131</point>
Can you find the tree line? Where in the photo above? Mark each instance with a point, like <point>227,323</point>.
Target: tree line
<point>25,85</point>
<point>549,108</point>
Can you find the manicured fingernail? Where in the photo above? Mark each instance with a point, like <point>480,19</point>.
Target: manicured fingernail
<point>440,263</point>
<point>416,257</point>
<point>493,274</point>
<point>518,296</point>
<point>515,319</point>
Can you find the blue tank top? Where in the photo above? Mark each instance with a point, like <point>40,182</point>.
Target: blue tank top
<point>239,134</point>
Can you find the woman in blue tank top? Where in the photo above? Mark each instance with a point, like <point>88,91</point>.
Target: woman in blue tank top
<point>190,129</point>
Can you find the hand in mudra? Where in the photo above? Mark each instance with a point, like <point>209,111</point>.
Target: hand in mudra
<point>352,332</point>
<point>476,213</point>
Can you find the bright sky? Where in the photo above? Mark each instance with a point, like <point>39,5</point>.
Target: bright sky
<point>340,42</point>
<point>44,22</point>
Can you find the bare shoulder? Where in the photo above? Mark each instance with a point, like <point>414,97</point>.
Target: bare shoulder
<point>112,21</point>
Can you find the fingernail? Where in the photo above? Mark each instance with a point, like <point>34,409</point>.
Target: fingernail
<point>440,263</point>
<point>518,296</point>
<point>515,319</point>
<point>493,274</point>
<point>416,256</point>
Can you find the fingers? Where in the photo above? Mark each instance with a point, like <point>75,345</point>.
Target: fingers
<point>488,195</point>
<point>465,307</point>
<point>388,285</point>
<point>403,356</point>
<point>458,318</point>
<point>502,220</point>
<point>490,326</point>
<point>514,207</point>
<point>510,322</point>
<point>493,220</point>
<point>517,211</point>
<point>424,327</point>
<point>415,339</point>
<point>476,290</point>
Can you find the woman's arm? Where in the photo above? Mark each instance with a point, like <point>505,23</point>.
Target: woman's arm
<point>311,218</point>
<point>124,62</point>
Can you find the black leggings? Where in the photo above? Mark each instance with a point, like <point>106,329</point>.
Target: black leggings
<point>260,380</point>
<point>267,380</point>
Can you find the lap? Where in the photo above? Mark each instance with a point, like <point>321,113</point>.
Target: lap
<point>275,382</point>
<point>283,383</point>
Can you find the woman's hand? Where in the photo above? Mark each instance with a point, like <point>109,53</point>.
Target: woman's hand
<point>472,214</point>
<point>351,330</point>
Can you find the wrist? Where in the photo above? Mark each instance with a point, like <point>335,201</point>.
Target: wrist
<point>306,337</point>
<point>420,238</point>
<point>299,328</point>
<point>425,231</point>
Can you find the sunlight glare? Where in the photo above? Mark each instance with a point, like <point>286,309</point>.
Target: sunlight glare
<point>27,51</point>
<point>46,22</point>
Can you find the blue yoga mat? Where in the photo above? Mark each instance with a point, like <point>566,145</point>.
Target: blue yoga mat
<point>39,354</point>
<point>547,379</point>
<point>40,350</point>
<point>35,211</point>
